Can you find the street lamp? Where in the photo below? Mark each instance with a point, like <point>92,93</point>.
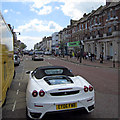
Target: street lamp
<point>18,33</point>
<point>114,59</point>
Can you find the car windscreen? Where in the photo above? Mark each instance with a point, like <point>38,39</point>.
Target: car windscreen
<point>55,80</point>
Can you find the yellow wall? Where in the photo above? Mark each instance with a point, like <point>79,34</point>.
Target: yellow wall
<point>7,70</point>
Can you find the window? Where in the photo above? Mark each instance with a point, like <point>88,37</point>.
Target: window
<point>79,27</point>
<point>108,15</point>
<point>98,20</point>
<point>94,21</point>
<point>55,80</point>
<point>82,26</point>
<point>113,13</point>
<point>53,71</point>
<point>76,29</point>
<point>86,25</point>
<point>109,29</point>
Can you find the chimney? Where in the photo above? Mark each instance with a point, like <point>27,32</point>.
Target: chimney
<point>84,15</point>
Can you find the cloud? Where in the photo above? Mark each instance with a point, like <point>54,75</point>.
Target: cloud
<point>39,26</point>
<point>76,8</point>
<point>5,11</point>
<point>44,11</point>
<point>71,8</point>
<point>12,11</point>
<point>29,41</point>
<point>48,1</point>
<point>57,8</point>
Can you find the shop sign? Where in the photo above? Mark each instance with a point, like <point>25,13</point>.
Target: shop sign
<point>73,44</point>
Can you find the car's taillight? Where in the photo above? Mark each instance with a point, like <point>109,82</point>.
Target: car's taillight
<point>41,93</point>
<point>34,93</point>
<point>90,88</point>
<point>85,88</point>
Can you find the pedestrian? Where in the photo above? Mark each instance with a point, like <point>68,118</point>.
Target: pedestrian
<point>89,55</point>
<point>73,54</point>
<point>92,57</point>
<point>101,58</point>
<point>78,55</point>
<point>70,54</point>
<point>86,55</point>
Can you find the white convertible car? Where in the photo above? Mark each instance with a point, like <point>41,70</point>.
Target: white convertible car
<point>55,88</point>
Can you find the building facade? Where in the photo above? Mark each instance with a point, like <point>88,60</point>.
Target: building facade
<point>55,42</point>
<point>97,31</point>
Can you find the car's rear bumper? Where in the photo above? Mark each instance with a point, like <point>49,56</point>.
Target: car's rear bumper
<point>39,59</point>
<point>39,112</point>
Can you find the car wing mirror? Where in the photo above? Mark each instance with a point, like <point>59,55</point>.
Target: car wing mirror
<point>70,71</point>
<point>28,72</point>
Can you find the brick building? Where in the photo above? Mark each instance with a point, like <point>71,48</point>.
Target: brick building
<point>99,31</point>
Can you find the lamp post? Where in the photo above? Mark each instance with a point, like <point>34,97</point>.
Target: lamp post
<point>15,39</point>
<point>114,60</point>
<point>81,51</point>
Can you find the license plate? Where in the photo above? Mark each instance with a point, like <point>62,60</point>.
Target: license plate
<point>66,106</point>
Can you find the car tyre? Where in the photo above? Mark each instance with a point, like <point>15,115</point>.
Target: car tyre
<point>28,118</point>
<point>14,74</point>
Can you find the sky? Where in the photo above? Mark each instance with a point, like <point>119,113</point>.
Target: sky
<point>35,19</point>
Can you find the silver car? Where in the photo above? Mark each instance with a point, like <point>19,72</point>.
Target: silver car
<point>38,55</point>
<point>16,59</point>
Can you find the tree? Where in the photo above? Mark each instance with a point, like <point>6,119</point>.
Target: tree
<point>22,46</point>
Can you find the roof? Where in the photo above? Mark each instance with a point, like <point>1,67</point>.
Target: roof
<point>99,10</point>
<point>113,4</point>
<point>40,71</point>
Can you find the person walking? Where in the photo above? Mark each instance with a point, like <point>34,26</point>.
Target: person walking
<point>70,54</point>
<point>89,55</point>
<point>78,55</point>
<point>73,54</point>
<point>101,58</point>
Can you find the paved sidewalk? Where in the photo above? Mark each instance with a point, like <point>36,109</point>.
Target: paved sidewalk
<point>94,63</point>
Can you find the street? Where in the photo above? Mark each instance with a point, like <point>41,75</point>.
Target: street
<point>104,80</point>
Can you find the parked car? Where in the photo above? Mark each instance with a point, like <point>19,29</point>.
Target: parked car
<point>26,52</point>
<point>48,53</point>
<point>31,53</point>
<point>55,88</point>
<point>16,59</point>
<point>38,55</point>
